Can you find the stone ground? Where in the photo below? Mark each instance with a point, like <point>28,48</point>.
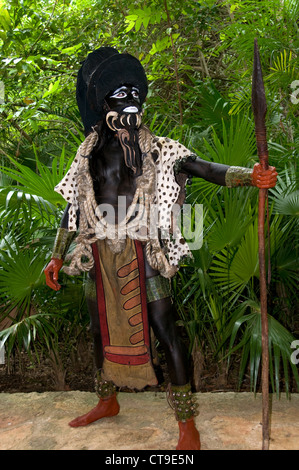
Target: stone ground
<point>227,421</point>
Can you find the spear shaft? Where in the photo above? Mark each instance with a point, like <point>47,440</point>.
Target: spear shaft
<point>259,107</point>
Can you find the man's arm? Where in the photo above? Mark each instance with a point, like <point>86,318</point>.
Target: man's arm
<point>61,245</point>
<point>230,176</point>
<point>209,171</point>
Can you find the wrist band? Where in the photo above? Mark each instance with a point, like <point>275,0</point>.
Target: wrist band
<point>62,243</point>
<point>238,176</point>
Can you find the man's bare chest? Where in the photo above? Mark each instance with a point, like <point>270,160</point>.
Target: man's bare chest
<point>113,183</point>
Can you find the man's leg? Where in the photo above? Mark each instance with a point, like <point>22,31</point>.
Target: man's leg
<point>162,319</point>
<point>106,391</point>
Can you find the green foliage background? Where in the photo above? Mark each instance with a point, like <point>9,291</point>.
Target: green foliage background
<point>198,57</point>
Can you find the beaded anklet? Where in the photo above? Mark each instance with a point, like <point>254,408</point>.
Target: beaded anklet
<point>103,388</point>
<point>182,401</point>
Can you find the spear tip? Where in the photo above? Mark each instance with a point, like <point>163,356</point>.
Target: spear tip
<point>259,104</point>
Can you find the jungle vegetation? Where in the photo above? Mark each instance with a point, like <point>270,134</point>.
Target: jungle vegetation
<point>198,56</point>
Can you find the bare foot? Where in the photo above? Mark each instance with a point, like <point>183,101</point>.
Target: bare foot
<point>105,408</point>
<point>189,436</point>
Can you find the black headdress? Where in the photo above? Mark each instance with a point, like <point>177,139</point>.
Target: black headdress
<point>102,72</point>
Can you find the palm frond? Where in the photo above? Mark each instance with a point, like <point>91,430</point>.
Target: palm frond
<point>214,108</point>
<point>247,326</point>
<point>288,204</point>
<point>236,146</point>
<point>24,333</point>
<point>42,184</point>
<point>229,217</point>
<point>21,272</point>
<point>235,270</point>
<point>17,205</point>
<point>283,70</point>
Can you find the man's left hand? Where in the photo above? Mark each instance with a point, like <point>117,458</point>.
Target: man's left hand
<point>264,179</point>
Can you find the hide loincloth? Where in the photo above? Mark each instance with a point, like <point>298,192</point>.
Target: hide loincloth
<point>122,306</point>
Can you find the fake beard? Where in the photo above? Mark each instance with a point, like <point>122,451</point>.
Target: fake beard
<point>126,125</point>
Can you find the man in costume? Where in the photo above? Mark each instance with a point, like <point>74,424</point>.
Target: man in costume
<point>121,190</point>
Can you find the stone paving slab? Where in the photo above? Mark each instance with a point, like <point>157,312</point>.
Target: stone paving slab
<point>226,421</point>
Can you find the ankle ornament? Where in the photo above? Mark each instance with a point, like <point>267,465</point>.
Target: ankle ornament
<point>104,389</point>
<point>182,401</point>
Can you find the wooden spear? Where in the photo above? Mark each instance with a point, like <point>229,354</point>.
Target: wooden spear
<point>259,107</point>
